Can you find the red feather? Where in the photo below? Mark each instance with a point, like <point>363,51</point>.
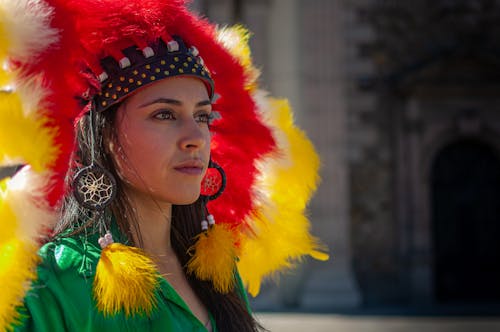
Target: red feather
<point>55,71</point>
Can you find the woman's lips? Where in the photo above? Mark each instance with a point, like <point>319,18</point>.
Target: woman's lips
<point>190,170</point>
<point>191,167</point>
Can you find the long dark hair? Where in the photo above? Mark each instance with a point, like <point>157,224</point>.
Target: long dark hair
<point>229,310</point>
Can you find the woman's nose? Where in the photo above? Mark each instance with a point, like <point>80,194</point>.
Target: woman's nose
<point>193,135</point>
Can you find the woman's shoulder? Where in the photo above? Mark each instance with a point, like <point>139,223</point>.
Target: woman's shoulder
<point>59,295</point>
<point>68,253</point>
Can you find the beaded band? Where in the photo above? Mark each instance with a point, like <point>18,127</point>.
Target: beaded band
<point>136,70</point>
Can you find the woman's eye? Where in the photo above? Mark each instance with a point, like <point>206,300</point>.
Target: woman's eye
<point>204,118</point>
<point>164,115</point>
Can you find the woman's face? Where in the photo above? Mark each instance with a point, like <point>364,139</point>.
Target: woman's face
<point>163,137</point>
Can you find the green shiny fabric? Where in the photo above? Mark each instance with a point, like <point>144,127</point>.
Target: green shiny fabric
<point>61,298</point>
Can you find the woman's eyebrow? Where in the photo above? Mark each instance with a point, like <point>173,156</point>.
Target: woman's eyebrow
<point>173,102</point>
<point>204,103</point>
<point>162,101</point>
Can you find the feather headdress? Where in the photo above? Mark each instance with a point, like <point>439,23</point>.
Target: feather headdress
<point>25,210</point>
<point>270,165</point>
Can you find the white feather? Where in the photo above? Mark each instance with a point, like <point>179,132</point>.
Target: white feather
<point>228,37</point>
<point>27,27</point>
<point>32,94</point>
<point>269,117</point>
<point>25,196</point>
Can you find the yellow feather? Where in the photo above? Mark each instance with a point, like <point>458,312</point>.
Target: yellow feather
<point>18,261</point>
<point>4,77</point>
<point>293,178</point>
<point>279,234</point>
<point>24,138</point>
<point>214,258</point>
<point>17,268</point>
<point>280,228</point>
<point>4,44</point>
<point>7,216</point>
<point>4,41</point>
<point>126,281</point>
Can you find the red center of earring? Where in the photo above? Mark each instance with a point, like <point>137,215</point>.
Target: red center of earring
<point>211,183</point>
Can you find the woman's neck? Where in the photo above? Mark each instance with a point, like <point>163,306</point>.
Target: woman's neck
<point>153,218</point>
<point>154,224</point>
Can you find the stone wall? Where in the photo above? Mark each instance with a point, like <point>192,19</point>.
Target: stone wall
<point>371,166</point>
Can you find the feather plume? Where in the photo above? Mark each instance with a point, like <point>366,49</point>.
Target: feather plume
<point>4,41</point>
<point>18,260</point>
<point>25,25</point>
<point>235,150</point>
<point>125,281</point>
<point>24,138</point>
<point>18,134</point>
<point>214,257</point>
<point>103,24</point>
<point>278,233</point>
<point>281,230</point>
<point>26,198</point>
<point>7,216</point>
<point>17,268</point>
<point>4,78</point>
<point>33,96</point>
<point>23,216</point>
<point>236,40</point>
<point>57,81</point>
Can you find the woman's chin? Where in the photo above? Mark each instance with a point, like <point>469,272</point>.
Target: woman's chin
<point>186,199</point>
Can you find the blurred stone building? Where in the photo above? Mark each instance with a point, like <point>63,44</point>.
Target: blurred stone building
<point>402,100</point>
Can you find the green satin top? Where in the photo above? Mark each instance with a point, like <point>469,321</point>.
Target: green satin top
<point>61,298</point>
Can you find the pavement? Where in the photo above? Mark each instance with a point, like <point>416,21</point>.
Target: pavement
<point>294,322</point>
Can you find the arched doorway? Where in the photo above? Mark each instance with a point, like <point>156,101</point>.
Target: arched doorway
<point>465,184</point>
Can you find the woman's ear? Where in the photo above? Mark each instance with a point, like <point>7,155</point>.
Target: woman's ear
<point>110,142</point>
<point>107,141</point>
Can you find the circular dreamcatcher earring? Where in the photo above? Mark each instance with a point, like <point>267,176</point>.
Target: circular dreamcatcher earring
<point>212,186</point>
<point>214,182</point>
<point>95,187</point>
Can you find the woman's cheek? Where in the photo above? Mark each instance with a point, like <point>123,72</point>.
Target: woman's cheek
<point>119,159</point>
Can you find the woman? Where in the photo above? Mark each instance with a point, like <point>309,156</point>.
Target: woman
<point>156,143</point>
<point>135,247</point>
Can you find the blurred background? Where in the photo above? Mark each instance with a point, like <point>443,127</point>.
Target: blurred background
<point>402,101</point>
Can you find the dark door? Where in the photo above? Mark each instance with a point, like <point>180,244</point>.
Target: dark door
<point>466,219</point>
